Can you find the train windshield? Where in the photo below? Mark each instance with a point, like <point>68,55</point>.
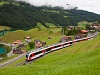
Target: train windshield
<point>26,55</point>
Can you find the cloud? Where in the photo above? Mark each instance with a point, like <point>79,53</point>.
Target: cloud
<point>62,3</point>
<point>89,5</point>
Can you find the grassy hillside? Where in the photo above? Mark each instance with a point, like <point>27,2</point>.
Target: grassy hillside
<point>80,59</point>
<point>36,33</point>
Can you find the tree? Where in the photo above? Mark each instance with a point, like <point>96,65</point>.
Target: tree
<point>31,45</point>
<point>14,15</point>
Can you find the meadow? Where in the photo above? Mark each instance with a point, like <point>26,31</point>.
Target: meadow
<point>33,33</point>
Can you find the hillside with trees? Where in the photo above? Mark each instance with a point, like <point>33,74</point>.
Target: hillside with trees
<point>22,15</point>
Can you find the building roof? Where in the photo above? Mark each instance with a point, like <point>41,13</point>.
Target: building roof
<point>17,42</point>
<point>84,31</point>
<point>28,37</point>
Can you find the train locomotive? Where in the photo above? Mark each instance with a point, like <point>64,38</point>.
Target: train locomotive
<point>42,51</point>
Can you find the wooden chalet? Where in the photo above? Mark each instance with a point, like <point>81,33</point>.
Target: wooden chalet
<point>83,32</point>
<point>17,42</point>
<point>65,38</point>
<point>17,51</point>
<point>17,45</point>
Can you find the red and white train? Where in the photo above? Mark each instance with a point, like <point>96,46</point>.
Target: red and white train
<point>42,51</point>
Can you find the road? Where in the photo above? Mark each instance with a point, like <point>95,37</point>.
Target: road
<point>5,44</point>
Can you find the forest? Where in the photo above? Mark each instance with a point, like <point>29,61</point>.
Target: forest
<point>22,15</point>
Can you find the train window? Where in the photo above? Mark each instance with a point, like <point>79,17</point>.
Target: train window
<point>26,55</point>
<point>37,53</point>
<point>66,44</point>
<point>71,42</point>
<point>31,55</point>
<point>57,46</point>
<point>48,49</point>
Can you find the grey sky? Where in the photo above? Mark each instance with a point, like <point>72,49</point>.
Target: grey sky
<point>89,5</point>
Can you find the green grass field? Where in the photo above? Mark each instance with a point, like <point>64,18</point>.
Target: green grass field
<point>34,33</point>
<point>80,59</point>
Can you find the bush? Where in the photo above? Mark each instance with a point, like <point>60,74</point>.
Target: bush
<point>31,45</point>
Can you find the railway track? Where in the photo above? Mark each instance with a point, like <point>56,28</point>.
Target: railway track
<point>26,62</point>
<point>11,61</point>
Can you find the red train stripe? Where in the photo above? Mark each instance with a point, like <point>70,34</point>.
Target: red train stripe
<point>33,55</point>
<point>52,47</point>
<point>61,44</point>
<point>68,42</point>
<point>43,51</point>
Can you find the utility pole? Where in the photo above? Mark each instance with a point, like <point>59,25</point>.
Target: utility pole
<point>63,32</point>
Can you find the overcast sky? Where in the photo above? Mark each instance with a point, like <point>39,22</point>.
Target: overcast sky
<point>89,5</point>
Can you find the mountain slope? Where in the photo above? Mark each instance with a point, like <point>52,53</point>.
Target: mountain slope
<point>21,15</point>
